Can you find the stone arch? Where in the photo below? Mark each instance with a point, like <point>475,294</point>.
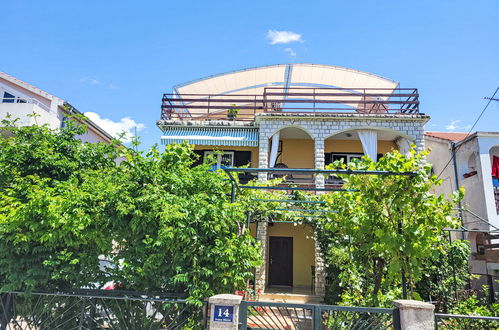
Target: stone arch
<point>297,126</point>
<point>376,128</point>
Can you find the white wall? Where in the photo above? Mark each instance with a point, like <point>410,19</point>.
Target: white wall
<point>488,143</point>
<point>22,111</point>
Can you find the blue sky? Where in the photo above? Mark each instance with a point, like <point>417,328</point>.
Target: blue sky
<point>116,58</point>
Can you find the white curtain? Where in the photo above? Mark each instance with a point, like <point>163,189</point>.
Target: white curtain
<point>274,148</point>
<point>369,139</point>
<point>404,145</point>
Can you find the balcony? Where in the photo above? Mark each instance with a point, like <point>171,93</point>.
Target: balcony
<point>297,100</point>
<point>24,108</point>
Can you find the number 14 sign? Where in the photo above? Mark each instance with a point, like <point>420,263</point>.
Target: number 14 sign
<point>223,313</point>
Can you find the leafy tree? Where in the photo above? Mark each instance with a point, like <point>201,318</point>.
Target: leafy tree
<point>385,228</point>
<point>444,273</point>
<point>161,223</point>
<point>50,236</point>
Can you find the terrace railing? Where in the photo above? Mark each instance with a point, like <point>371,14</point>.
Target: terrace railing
<point>96,309</point>
<point>270,315</point>
<point>8,100</point>
<point>465,322</point>
<point>298,100</point>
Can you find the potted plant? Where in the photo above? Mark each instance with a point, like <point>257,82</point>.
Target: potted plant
<point>232,112</point>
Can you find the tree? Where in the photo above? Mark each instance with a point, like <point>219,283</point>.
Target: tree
<point>50,236</point>
<point>384,230</point>
<point>161,223</point>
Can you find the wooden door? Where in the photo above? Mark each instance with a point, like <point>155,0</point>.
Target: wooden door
<point>281,261</point>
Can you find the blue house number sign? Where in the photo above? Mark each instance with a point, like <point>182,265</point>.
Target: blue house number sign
<point>223,314</point>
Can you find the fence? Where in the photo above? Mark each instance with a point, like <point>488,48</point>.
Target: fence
<point>465,322</point>
<point>94,309</point>
<point>267,315</point>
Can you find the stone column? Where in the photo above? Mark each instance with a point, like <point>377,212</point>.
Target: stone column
<point>261,271</point>
<point>319,160</point>
<point>415,315</point>
<point>320,270</point>
<point>263,156</point>
<point>224,311</point>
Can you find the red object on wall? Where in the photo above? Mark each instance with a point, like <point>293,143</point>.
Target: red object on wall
<point>495,166</point>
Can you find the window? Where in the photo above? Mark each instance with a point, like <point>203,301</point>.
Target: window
<point>8,98</point>
<point>346,157</point>
<point>224,158</point>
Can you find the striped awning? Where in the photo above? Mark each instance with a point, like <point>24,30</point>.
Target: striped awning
<point>212,136</point>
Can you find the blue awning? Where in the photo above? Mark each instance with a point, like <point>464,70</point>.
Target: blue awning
<point>212,136</point>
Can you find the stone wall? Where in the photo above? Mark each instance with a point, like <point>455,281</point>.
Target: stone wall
<point>261,271</point>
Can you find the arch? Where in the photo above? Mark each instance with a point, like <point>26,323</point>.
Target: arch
<point>494,150</point>
<point>311,135</point>
<point>254,80</point>
<point>463,158</point>
<point>376,128</point>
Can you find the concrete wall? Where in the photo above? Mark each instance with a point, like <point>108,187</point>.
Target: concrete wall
<point>303,250</point>
<point>22,110</point>
<point>297,153</point>
<point>332,145</point>
<point>439,157</point>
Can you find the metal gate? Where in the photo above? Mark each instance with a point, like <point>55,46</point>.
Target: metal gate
<point>268,315</point>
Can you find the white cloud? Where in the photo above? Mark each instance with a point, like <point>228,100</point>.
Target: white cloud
<point>91,81</point>
<point>454,126</point>
<point>113,86</point>
<point>283,37</point>
<point>115,128</point>
<point>290,52</point>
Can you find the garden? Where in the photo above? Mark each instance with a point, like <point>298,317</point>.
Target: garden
<point>76,215</point>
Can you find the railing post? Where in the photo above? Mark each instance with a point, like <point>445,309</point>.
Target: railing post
<point>415,315</point>
<point>396,319</point>
<point>317,318</point>
<point>243,315</point>
<point>224,312</point>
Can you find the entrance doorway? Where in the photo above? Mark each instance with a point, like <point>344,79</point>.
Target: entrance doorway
<point>280,261</point>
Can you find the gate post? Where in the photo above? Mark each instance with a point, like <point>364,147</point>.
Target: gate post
<point>415,315</point>
<point>224,311</point>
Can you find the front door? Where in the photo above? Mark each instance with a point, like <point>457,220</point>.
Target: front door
<point>281,261</point>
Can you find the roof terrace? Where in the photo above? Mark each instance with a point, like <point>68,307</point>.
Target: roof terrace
<point>310,89</point>
<point>297,100</point>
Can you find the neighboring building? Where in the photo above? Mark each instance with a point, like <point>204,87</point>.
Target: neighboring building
<point>20,100</point>
<point>295,116</point>
<point>472,161</point>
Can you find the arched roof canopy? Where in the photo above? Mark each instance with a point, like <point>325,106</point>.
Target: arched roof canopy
<point>253,81</point>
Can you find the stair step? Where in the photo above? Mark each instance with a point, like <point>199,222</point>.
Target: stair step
<point>290,298</point>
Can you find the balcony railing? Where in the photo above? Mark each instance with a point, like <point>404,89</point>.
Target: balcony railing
<point>298,100</point>
<point>8,100</point>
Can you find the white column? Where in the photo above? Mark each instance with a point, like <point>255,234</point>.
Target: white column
<point>488,189</point>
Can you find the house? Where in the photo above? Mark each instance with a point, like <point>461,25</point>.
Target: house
<point>292,116</point>
<point>21,100</point>
<point>472,161</point>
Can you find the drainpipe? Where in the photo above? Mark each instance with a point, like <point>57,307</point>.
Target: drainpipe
<point>456,178</point>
